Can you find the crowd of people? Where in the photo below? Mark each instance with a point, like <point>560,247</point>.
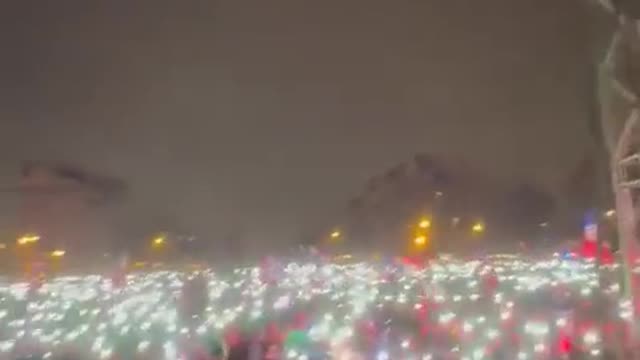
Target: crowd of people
<point>501,307</point>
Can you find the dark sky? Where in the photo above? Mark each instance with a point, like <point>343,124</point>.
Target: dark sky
<point>269,115</point>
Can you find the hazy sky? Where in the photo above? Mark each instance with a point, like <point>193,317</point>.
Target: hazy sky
<point>268,115</point>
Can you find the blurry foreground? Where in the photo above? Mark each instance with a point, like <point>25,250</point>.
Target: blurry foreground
<point>503,307</point>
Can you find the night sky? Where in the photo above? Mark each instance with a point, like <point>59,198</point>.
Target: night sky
<point>265,117</point>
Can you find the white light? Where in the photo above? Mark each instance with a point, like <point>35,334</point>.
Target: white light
<point>105,354</point>
<point>446,317</point>
<point>561,322</point>
<point>591,337</point>
<point>467,327</point>
<point>143,346</point>
<point>6,346</point>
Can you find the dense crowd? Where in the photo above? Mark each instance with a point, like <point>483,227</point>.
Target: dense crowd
<point>501,307</point>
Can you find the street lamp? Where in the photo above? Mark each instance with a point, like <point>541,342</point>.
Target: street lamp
<point>424,224</point>
<point>58,253</point>
<point>335,234</point>
<point>158,241</point>
<point>28,239</point>
<point>477,228</point>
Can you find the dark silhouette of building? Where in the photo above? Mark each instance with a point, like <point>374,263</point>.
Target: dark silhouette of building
<point>67,206</point>
<point>454,197</point>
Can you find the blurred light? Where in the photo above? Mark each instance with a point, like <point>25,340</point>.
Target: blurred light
<point>58,253</point>
<point>420,240</point>
<point>591,337</point>
<point>477,228</point>
<point>336,234</point>
<point>424,224</point>
<point>28,239</point>
<point>3,246</point>
<point>610,213</point>
<point>159,241</point>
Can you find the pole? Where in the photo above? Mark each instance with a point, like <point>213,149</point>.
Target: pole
<point>616,99</point>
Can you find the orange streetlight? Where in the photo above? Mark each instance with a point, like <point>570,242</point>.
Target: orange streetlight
<point>478,228</point>
<point>158,241</point>
<point>58,253</point>
<point>424,224</point>
<point>28,239</point>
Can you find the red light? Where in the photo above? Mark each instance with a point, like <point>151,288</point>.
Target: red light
<point>564,344</point>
